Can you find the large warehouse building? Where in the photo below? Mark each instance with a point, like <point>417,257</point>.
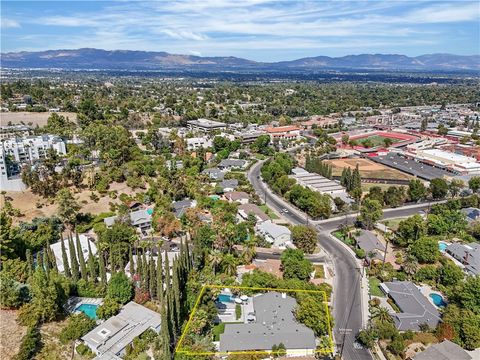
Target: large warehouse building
<point>450,161</point>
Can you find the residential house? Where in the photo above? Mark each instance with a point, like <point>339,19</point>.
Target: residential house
<point>277,235</point>
<point>84,240</point>
<point>246,209</point>
<point>369,242</point>
<point>468,255</point>
<point>110,339</point>
<point>214,173</point>
<point>228,185</point>
<point>196,143</point>
<point>446,350</point>
<point>274,323</point>
<point>471,214</point>
<point>415,308</point>
<point>232,164</point>
<point>237,196</point>
<point>140,219</point>
<point>179,207</point>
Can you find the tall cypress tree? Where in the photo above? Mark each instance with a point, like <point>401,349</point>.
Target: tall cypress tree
<point>152,277</point>
<point>139,270</point>
<point>113,265</point>
<point>145,280</point>
<point>160,279</point>
<point>73,260</point>
<point>45,261</point>
<point>130,260</point>
<point>28,255</point>
<point>39,259</point>
<point>102,270</point>
<point>91,264</point>
<point>165,335</point>
<point>66,267</point>
<point>167,272</point>
<point>176,294</point>
<point>172,316</point>
<point>81,258</point>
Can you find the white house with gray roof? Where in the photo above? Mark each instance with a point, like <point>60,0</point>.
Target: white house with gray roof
<point>415,308</point>
<point>277,235</point>
<point>274,323</point>
<point>446,350</point>
<point>109,339</point>
<point>140,219</point>
<point>231,164</point>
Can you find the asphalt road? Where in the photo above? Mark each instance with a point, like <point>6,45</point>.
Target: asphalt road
<point>347,307</point>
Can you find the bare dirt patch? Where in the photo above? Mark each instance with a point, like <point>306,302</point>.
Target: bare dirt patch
<point>27,202</point>
<point>368,169</point>
<point>31,118</point>
<point>11,334</point>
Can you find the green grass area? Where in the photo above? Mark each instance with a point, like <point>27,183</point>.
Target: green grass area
<point>376,140</point>
<point>393,223</point>
<point>375,287</point>
<point>269,212</point>
<point>218,330</point>
<point>319,271</point>
<point>338,235</point>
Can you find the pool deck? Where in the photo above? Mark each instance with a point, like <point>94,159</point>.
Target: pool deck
<point>75,301</point>
<point>427,290</point>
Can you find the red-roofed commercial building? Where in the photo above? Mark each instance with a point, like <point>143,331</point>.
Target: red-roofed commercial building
<point>284,132</point>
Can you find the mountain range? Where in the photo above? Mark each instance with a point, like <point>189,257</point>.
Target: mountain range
<point>88,58</point>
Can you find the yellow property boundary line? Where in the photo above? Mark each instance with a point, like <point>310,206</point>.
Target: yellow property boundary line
<point>178,348</point>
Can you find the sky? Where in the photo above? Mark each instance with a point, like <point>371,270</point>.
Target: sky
<point>259,30</point>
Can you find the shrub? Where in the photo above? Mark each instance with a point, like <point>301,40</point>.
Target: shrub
<point>396,346</point>
<point>84,350</point>
<point>109,308</point>
<point>360,253</point>
<point>29,345</point>
<point>120,288</point>
<point>78,325</point>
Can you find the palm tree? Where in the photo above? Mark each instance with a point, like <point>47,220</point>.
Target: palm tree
<point>249,251</point>
<point>382,315</point>
<point>215,259</point>
<point>410,266</point>
<point>229,265</point>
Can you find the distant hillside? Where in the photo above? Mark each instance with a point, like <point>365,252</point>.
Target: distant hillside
<point>142,60</point>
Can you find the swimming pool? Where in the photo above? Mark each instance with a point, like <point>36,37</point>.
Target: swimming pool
<point>438,300</point>
<point>442,246</point>
<point>225,298</point>
<point>88,309</point>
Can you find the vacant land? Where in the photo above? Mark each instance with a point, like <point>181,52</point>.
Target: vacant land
<point>368,169</point>
<point>31,205</point>
<point>11,334</point>
<point>31,118</point>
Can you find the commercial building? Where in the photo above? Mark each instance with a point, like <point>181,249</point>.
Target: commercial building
<point>12,131</point>
<point>320,183</point>
<point>109,339</point>
<point>415,308</point>
<point>283,132</point>
<point>461,164</point>
<point>273,323</point>
<point>206,125</point>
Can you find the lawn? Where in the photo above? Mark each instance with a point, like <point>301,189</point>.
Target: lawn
<point>338,235</point>
<point>375,287</point>
<point>217,331</point>
<point>269,212</point>
<point>376,140</point>
<point>393,223</point>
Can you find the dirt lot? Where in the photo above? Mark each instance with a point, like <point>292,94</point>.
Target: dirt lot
<point>27,202</point>
<point>11,334</point>
<point>31,118</point>
<point>367,169</point>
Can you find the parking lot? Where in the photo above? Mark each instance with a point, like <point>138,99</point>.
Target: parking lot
<point>412,167</point>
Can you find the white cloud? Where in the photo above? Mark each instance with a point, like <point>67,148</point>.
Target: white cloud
<point>9,23</point>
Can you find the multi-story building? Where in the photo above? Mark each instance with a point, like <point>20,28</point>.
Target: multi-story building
<point>31,148</point>
<point>206,125</point>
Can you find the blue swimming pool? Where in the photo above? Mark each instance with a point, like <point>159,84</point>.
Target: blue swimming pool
<point>225,298</point>
<point>438,300</point>
<point>88,309</point>
<point>442,246</point>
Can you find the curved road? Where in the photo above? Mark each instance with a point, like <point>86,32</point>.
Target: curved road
<point>347,303</point>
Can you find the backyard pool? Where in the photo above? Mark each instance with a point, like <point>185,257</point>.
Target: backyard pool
<point>442,246</point>
<point>88,309</point>
<point>225,298</point>
<point>438,300</point>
